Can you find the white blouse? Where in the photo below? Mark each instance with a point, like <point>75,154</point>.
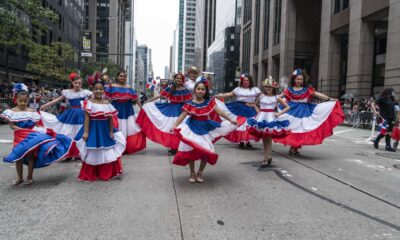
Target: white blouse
<point>246,94</point>
<point>267,102</point>
<point>71,94</point>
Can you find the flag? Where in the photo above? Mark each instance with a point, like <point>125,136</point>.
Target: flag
<point>151,84</point>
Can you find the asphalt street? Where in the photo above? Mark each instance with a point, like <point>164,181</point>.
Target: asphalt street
<point>343,189</point>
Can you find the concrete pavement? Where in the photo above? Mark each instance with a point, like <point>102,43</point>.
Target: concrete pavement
<point>343,189</point>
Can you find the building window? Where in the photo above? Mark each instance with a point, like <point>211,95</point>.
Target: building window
<point>277,24</point>
<point>232,48</point>
<point>247,11</point>
<point>341,5</point>
<point>266,24</point>
<point>257,28</point>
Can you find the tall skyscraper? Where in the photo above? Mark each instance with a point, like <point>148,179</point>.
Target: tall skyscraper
<point>130,43</point>
<point>184,40</point>
<point>106,20</point>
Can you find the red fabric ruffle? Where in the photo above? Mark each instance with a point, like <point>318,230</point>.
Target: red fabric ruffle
<point>98,114</point>
<point>291,96</point>
<point>317,135</point>
<point>168,140</point>
<point>176,98</point>
<point>135,143</point>
<point>396,133</point>
<point>121,96</point>
<point>240,136</point>
<point>198,153</point>
<point>73,151</point>
<point>193,110</point>
<point>102,172</point>
<point>263,134</point>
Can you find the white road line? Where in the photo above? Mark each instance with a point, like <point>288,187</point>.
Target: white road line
<point>5,141</point>
<point>343,131</point>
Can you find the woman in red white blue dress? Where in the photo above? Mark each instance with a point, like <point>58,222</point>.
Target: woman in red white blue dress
<point>198,132</point>
<point>100,144</point>
<point>71,120</point>
<point>269,123</point>
<point>310,123</point>
<point>244,106</point>
<point>157,118</point>
<point>33,146</point>
<point>122,97</point>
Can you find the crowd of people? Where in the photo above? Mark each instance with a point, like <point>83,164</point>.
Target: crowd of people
<point>100,125</point>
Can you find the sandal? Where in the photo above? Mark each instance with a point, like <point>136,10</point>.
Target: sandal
<point>192,178</point>
<point>29,181</point>
<point>17,182</point>
<point>199,178</point>
<point>265,163</point>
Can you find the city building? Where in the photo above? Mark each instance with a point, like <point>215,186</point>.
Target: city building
<point>130,43</point>
<point>106,20</point>
<point>145,55</point>
<point>341,44</point>
<point>205,30</point>
<point>189,29</point>
<point>140,79</point>
<point>216,52</point>
<point>184,36</point>
<point>66,29</point>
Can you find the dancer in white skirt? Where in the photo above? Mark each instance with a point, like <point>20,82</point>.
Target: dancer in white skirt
<point>244,106</point>
<point>268,123</point>
<point>70,121</point>
<point>198,132</point>
<point>310,123</point>
<point>101,145</point>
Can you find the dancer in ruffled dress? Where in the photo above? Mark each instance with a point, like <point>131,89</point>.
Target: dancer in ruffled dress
<point>197,133</point>
<point>101,145</point>
<point>310,123</point>
<point>71,120</point>
<point>157,119</point>
<point>122,97</point>
<point>244,106</point>
<point>268,123</point>
<point>33,146</point>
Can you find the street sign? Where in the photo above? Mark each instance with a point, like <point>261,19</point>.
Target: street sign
<point>86,44</point>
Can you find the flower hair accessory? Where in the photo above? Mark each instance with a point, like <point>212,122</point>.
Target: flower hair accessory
<point>73,76</point>
<point>269,82</point>
<point>203,80</point>
<point>297,72</point>
<point>19,87</point>
<point>244,76</point>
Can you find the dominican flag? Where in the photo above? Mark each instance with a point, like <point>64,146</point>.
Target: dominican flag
<point>151,84</point>
<point>382,127</point>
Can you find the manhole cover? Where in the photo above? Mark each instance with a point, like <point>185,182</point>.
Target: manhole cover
<point>396,166</point>
<point>361,154</point>
<point>389,155</point>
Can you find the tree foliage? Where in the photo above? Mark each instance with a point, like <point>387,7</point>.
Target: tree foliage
<point>21,20</point>
<point>53,61</point>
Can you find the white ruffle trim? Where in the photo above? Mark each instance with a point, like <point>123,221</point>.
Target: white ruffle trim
<point>71,94</point>
<point>102,155</point>
<point>20,116</point>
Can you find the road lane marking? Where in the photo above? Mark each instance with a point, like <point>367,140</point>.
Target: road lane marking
<point>5,141</point>
<point>342,131</point>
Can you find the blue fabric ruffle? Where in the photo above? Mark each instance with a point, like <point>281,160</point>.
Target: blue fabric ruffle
<point>241,109</point>
<point>200,127</point>
<point>170,109</point>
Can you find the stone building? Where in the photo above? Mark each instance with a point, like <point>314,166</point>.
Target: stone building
<point>348,46</point>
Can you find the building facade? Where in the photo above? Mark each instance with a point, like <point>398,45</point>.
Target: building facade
<point>106,20</point>
<point>189,30</point>
<point>140,79</point>
<point>130,43</point>
<point>67,30</point>
<point>217,60</point>
<point>341,44</point>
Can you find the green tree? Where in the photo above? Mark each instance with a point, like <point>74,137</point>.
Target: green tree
<point>53,61</point>
<point>23,20</point>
